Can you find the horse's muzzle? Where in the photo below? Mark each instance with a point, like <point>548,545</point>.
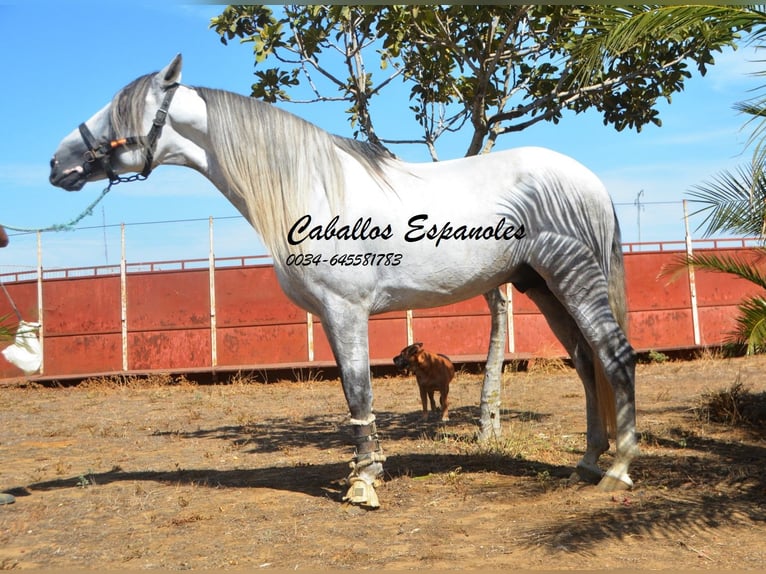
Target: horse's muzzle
<point>71,179</point>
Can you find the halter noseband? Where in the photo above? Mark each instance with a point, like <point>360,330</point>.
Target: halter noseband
<point>101,150</point>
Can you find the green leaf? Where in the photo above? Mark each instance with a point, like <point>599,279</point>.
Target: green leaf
<point>751,324</point>
<point>733,265</point>
<point>733,202</point>
<point>495,68</point>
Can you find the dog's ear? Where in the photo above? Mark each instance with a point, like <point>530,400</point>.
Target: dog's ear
<point>414,349</point>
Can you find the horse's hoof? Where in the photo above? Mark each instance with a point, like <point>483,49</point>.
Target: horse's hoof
<point>611,483</point>
<point>362,494</point>
<point>589,473</point>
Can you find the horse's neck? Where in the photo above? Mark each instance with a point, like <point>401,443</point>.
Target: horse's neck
<point>193,144</point>
<point>188,144</point>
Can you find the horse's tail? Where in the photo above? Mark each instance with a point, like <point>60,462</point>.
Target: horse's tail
<point>619,304</point>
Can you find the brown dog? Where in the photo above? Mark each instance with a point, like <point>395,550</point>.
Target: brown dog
<point>433,373</point>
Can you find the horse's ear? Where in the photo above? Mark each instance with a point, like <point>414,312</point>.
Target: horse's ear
<point>171,74</point>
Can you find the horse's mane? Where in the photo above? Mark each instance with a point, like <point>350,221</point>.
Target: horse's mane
<point>271,159</point>
<point>127,111</point>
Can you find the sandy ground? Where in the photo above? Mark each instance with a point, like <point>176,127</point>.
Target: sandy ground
<point>127,474</point>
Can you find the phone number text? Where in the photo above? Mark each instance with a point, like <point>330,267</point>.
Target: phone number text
<point>345,259</point>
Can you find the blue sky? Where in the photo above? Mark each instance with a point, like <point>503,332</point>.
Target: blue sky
<point>63,61</point>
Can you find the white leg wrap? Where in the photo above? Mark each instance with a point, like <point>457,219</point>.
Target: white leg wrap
<point>367,466</point>
<point>367,421</point>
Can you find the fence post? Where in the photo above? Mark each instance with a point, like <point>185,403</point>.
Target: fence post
<point>211,274</point>
<point>692,282</point>
<point>40,306</point>
<point>310,335</point>
<point>123,300</point>
<point>509,311</point>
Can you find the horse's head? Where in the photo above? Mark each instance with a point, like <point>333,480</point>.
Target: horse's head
<point>119,138</point>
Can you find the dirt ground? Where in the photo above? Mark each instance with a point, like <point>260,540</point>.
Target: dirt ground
<point>128,474</point>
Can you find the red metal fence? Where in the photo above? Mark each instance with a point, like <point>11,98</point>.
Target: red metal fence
<point>232,315</point>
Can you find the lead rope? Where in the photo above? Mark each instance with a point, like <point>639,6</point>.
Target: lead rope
<point>158,123</point>
<point>70,224</point>
<point>57,227</point>
<point>10,300</point>
<point>25,352</point>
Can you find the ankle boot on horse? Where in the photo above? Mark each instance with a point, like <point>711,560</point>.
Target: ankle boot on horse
<point>367,466</point>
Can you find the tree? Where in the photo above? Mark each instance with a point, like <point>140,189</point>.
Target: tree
<point>490,70</point>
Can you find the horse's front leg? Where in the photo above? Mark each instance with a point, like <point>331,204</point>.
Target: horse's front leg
<point>493,372</point>
<point>347,332</point>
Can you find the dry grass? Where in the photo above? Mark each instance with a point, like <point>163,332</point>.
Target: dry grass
<point>135,381</point>
<point>735,405</point>
<point>164,474</point>
<point>710,354</point>
<point>547,365</point>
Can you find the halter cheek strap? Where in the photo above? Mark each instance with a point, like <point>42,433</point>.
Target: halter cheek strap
<point>101,151</point>
<point>156,130</point>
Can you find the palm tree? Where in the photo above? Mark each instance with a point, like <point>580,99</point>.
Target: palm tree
<point>735,203</point>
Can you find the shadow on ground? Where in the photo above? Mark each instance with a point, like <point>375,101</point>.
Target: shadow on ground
<point>688,485</point>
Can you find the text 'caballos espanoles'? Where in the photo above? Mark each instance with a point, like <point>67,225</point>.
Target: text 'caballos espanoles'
<point>419,228</point>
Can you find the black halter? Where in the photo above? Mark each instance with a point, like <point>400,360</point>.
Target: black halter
<point>101,150</point>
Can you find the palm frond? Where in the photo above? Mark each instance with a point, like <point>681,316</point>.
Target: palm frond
<point>750,329</point>
<point>620,29</point>
<point>755,108</point>
<point>733,202</point>
<point>7,330</point>
<point>731,264</point>
<point>751,324</point>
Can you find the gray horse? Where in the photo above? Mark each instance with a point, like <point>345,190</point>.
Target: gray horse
<point>354,232</point>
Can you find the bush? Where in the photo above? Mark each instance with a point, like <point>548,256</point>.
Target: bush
<point>734,406</point>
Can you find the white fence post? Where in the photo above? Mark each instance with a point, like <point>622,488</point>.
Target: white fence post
<point>123,300</point>
<point>692,282</point>
<point>211,272</point>
<point>40,307</point>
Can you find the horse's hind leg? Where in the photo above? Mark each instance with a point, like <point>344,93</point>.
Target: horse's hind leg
<point>578,282</point>
<point>566,330</point>
<point>346,330</point>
